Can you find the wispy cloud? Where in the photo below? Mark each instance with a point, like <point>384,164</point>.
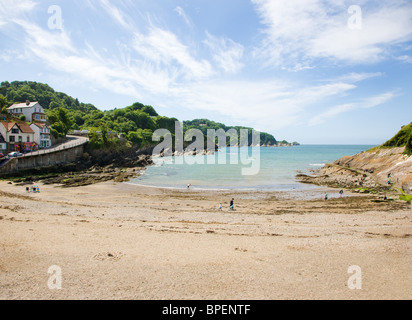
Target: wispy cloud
<point>114,12</point>
<point>405,58</point>
<point>181,12</point>
<point>268,105</point>
<point>150,62</point>
<point>163,50</point>
<point>354,77</point>
<point>226,53</point>
<point>370,102</point>
<point>299,31</point>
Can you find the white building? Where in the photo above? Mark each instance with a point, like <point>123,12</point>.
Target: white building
<point>33,111</point>
<point>42,134</point>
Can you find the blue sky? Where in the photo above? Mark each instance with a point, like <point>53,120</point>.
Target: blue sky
<point>312,71</point>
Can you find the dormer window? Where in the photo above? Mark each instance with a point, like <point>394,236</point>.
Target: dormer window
<point>15,131</point>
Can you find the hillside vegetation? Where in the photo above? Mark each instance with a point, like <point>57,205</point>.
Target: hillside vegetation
<point>136,123</point>
<point>402,139</point>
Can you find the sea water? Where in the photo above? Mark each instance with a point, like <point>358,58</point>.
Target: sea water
<point>278,167</point>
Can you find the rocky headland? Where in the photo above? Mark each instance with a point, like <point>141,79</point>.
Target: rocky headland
<point>380,169</point>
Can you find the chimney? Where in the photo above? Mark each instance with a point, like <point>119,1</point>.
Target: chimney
<point>27,102</point>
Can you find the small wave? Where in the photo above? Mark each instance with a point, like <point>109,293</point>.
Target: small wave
<point>317,164</point>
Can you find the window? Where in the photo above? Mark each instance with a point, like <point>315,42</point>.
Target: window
<point>15,131</point>
<point>38,117</point>
<point>12,138</point>
<point>20,139</point>
<point>28,138</point>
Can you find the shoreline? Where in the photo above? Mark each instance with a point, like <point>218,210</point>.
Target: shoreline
<point>117,241</point>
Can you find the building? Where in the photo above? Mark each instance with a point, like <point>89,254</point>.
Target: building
<point>3,144</point>
<point>42,134</point>
<point>17,136</point>
<point>33,111</point>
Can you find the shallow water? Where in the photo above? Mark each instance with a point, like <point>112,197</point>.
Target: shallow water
<point>273,168</point>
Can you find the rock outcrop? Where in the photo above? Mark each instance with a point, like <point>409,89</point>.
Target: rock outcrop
<point>380,169</point>
<point>99,167</point>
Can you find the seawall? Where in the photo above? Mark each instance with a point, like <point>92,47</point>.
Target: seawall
<point>42,160</point>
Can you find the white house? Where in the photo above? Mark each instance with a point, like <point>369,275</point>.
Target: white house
<point>42,135</point>
<point>33,111</point>
<point>17,136</point>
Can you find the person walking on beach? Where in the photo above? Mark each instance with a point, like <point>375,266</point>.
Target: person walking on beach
<point>326,197</point>
<point>341,193</point>
<point>232,204</point>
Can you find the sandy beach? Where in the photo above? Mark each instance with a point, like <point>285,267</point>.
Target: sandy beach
<point>121,241</point>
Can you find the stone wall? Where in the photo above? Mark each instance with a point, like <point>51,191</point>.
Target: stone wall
<point>43,160</point>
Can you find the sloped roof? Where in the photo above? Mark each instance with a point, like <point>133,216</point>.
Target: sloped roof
<point>40,125</point>
<point>24,127</point>
<point>23,105</point>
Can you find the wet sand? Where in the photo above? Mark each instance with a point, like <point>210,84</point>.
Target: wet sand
<point>120,241</point>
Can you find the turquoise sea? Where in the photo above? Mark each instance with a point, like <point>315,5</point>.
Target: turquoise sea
<point>275,168</point>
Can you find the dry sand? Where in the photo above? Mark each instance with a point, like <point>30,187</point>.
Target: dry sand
<point>119,241</point>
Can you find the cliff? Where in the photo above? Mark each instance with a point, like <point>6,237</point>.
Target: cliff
<point>390,162</point>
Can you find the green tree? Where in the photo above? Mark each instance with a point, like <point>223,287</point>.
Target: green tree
<point>4,113</point>
<point>61,122</point>
<point>135,137</point>
<point>104,133</point>
<point>3,102</point>
<point>150,111</point>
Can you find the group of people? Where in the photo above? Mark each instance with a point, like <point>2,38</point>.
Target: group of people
<point>34,189</point>
<point>231,205</point>
<point>340,195</point>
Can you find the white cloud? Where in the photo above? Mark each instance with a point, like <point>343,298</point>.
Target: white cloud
<point>358,76</point>
<point>183,15</point>
<point>11,8</point>
<point>405,58</point>
<point>299,31</point>
<point>269,105</point>
<point>115,13</point>
<point>156,66</point>
<point>367,103</point>
<point>163,50</point>
<point>226,53</point>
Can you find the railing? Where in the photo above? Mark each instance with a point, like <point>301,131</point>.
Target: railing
<point>75,142</point>
<point>64,146</point>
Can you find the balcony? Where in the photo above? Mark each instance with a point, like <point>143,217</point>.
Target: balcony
<point>39,117</point>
